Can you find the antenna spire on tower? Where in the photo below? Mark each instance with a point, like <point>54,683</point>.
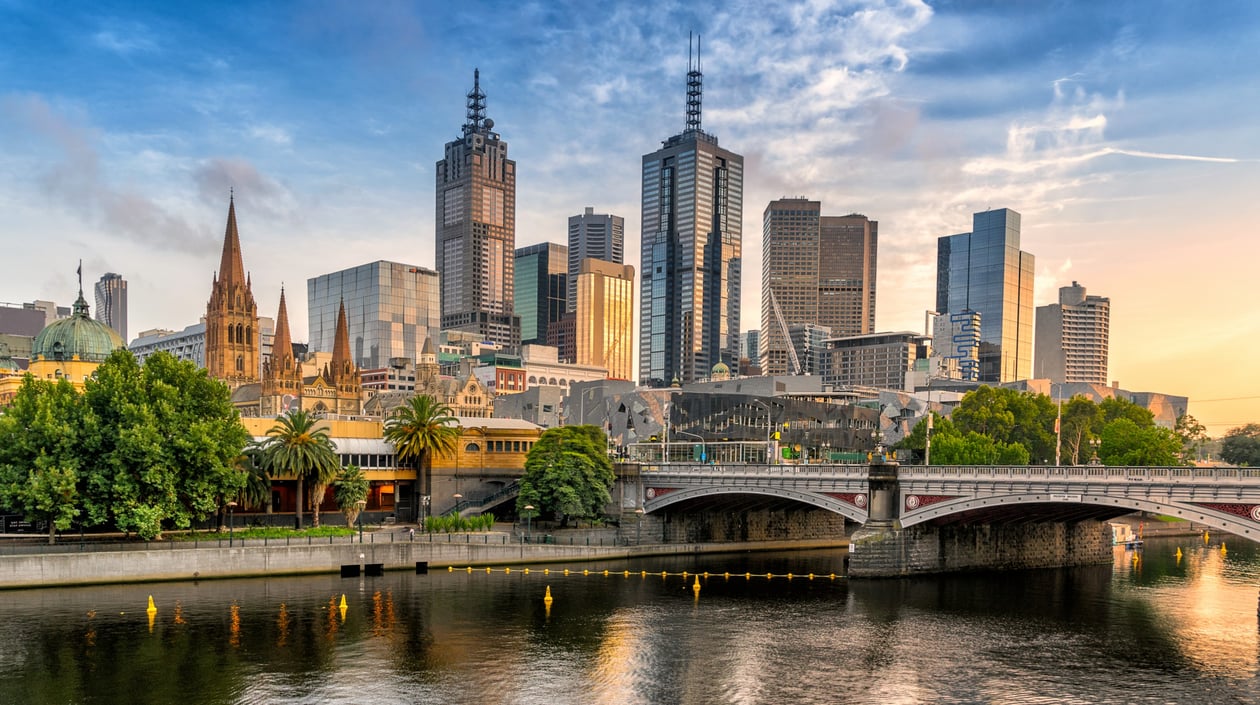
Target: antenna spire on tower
<point>695,85</point>
<point>476,105</point>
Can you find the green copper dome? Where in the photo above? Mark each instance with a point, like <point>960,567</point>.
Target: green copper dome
<point>720,369</point>
<point>7,363</point>
<point>77,336</point>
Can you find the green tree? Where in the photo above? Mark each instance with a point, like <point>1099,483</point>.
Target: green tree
<point>568,473</point>
<point>1193,436</point>
<point>1114,408</point>
<point>976,449</point>
<point>1124,442</point>
<point>40,456</point>
<point>418,429</point>
<point>162,440</point>
<point>297,446</point>
<point>256,491</point>
<point>1081,417</point>
<point>350,488</point>
<point>1241,446</point>
<point>1009,417</point>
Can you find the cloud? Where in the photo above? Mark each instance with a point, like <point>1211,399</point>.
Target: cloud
<point>254,191</point>
<point>76,181</point>
<point>125,38</point>
<point>271,133</point>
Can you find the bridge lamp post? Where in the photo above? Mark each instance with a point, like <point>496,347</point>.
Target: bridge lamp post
<point>638,526</point>
<point>529,515</point>
<point>703,455</point>
<point>1094,443</point>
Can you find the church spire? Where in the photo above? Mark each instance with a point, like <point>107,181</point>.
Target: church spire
<point>282,343</point>
<point>231,266</point>
<point>341,361</point>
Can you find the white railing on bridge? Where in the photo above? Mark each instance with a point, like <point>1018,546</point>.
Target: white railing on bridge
<point>1086,473</point>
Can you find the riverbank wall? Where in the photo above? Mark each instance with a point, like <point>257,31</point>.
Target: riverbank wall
<point>252,561</point>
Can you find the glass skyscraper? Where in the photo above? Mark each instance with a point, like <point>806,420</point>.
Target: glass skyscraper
<point>390,309</point>
<point>476,229</point>
<point>542,289</point>
<point>111,302</point>
<point>605,317</point>
<point>693,193</point>
<point>985,272</point>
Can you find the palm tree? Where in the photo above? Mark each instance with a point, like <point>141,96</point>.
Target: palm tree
<point>418,429</point>
<point>252,462</point>
<point>295,446</point>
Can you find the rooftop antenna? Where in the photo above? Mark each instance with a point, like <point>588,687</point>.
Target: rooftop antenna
<point>476,105</point>
<point>695,85</point>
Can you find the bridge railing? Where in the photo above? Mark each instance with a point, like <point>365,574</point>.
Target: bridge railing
<point>1083,473</point>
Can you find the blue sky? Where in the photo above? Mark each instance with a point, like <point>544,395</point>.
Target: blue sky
<point>1124,132</point>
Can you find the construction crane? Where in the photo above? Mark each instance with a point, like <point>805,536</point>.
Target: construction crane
<point>787,339</point>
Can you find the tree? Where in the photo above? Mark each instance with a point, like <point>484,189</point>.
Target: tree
<point>256,491</point>
<point>1114,408</point>
<point>350,488</point>
<point>296,446</point>
<point>162,442</point>
<point>568,473</point>
<point>1193,436</point>
<point>418,429</point>
<point>1009,417</point>
<point>1081,416</point>
<point>40,458</point>
<point>1241,446</point>
<point>1124,442</point>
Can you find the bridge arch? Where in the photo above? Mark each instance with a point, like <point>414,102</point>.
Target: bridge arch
<point>1188,511</point>
<point>822,501</point>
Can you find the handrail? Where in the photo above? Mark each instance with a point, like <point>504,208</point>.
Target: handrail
<point>508,490</point>
<point>1077,473</point>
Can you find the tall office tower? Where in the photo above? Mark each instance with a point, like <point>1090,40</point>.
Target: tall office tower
<point>1072,337</point>
<point>985,271</point>
<point>542,289</point>
<point>232,334</point>
<point>111,302</point>
<point>848,246</point>
<point>597,236</point>
<point>815,269</point>
<point>693,194</point>
<point>391,308</point>
<point>752,344</point>
<point>604,319</point>
<point>956,340</point>
<point>476,229</point>
<point>789,279</point>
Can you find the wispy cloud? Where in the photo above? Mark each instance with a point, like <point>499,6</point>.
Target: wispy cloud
<point>125,38</point>
<point>77,182</point>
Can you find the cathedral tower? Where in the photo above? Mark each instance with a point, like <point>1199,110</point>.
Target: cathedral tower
<point>282,374</point>
<point>344,375</point>
<point>232,340</point>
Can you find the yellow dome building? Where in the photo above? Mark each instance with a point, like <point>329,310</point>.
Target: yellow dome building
<point>70,348</point>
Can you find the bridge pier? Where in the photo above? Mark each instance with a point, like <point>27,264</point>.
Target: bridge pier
<point>884,548</point>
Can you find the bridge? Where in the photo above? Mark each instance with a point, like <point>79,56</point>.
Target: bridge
<point>910,502</point>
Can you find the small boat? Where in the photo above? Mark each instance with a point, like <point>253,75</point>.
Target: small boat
<point>1122,535</point>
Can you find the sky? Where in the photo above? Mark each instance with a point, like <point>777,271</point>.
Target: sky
<point>1125,133</point>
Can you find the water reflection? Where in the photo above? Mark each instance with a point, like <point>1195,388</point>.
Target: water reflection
<point>1159,629</point>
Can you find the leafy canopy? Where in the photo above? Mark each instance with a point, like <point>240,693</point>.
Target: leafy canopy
<point>567,473</point>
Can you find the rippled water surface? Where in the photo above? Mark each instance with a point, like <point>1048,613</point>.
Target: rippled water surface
<point>1155,629</point>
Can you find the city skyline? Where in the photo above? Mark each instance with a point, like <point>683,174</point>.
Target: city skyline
<point>1114,130</point>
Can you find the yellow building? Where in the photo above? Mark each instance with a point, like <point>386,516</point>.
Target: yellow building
<point>491,457</point>
<point>70,348</point>
<point>604,322</point>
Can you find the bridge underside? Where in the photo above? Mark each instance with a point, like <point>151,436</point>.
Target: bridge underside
<point>1035,513</point>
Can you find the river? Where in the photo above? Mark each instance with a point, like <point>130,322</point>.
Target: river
<point>1152,629</point>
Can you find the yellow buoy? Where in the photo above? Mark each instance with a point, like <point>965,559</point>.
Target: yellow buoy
<point>507,571</point>
<point>605,574</point>
<point>469,569</point>
<point>152,608</point>
<point>487,570</point>
<point>343,601</point>
<point>1179,553</point>
<point>586,572</point>
<point>1205,538</point>
<point>1223,549</point>
<point>789,576</point>
<point>811,576</point>
<point>450,568</point>
<point>696,588</point>
<point>547,597</point>
<point>566,571</point>
<point>527,571</point>
<point>546,571</point>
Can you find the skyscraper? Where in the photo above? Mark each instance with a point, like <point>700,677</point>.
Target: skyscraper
<point>542,289</point>
<point>1073,337</point>
<point>593,235</point>
<point>693,194</point>
<point>817,270</point>
<point>605,317</point>
<point>985,271</point>
<point>232,333</point>
<point>476,229</point>
<point>391,308</point>
<point>111,302</point>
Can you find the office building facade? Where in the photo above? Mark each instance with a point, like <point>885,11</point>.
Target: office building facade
<point>476,229</point>
<point>541,289</point>
<point>815,269</point>
<point>1073,337</point>
<point>391,308</point>
<point>878,360</point>
<point>984,271</point>
<point>690,258</point>
<point>593,236</point>
<point>604,319</point>
<point>111,302</point>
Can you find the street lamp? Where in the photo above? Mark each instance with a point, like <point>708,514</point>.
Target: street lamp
<point>529,514</point>
<point>703,455</point>
<point>231,522</point>
<point>361,504</point>
<point>770,458</point>
<point>638,527</point>
<point>458,498</point>
<point>1094,443</point>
